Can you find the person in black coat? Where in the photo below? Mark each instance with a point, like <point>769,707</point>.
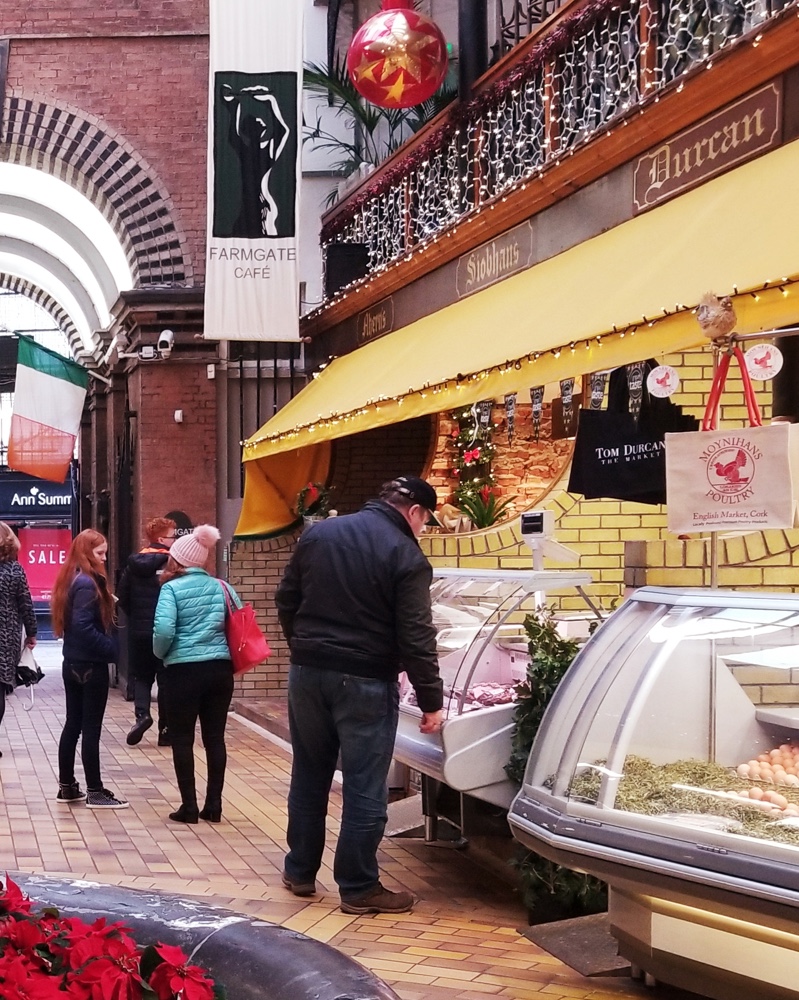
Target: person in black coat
<point>354,605</point>
<point>16,612</point>
<point>138,591</point>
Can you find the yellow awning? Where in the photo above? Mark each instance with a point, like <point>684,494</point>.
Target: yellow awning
<point>738,231</point>
<point>620,297</point>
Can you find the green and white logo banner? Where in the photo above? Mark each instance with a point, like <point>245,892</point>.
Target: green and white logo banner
<point>255,90</point>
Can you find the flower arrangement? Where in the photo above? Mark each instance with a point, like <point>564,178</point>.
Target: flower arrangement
<point>484,507</point>
<point>313,500</point>
<point>50,957</point>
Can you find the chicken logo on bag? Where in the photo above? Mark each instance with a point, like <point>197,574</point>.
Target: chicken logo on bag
<point>730,471</point>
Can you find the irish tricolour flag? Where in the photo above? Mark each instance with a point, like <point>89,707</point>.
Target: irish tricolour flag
<point>48,403</point>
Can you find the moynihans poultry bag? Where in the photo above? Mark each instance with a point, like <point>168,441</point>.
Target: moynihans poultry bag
<point>741,478</point>
<point>246,642</point>
<point>27,674</point>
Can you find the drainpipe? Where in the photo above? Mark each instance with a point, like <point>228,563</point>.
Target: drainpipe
<point>472,44</point>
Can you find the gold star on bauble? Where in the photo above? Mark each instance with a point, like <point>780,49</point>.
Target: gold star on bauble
<point>394,93</point>
<point>400,47</point>
<point>365,70</point>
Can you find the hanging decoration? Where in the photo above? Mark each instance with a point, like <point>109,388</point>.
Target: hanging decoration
<point>510,414</point>
<point>398,57</point>
<point>537,401</point>
<point>663,381</point>
<point>763,361</point>
<point>567,395</point>
<point>635,388</point>
<point>598,381</point>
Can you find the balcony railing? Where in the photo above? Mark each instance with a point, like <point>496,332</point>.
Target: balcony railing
<point>585,70</point>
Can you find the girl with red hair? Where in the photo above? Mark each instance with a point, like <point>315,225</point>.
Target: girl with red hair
<point>82,609</point>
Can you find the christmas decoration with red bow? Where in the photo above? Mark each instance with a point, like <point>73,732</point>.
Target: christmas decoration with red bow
<point>398,57</point>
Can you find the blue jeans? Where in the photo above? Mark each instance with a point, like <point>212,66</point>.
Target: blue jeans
<point>331,712</point>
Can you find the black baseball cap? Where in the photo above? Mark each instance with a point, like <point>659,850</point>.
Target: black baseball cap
<point>416,489</point>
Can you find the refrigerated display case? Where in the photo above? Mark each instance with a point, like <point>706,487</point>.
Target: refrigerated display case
<point>667,764</point>
<point>483,655</point>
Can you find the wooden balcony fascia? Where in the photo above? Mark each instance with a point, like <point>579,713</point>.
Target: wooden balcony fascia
<point>735,72</point>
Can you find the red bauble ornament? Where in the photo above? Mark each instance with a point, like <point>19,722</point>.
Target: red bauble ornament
<point>398,58</point>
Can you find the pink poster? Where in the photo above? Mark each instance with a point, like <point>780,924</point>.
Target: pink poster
<point>42,553</point>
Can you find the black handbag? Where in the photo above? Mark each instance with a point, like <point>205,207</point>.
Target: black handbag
<point>617,457</point>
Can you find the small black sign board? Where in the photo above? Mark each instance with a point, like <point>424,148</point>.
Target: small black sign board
<point>26,498</point>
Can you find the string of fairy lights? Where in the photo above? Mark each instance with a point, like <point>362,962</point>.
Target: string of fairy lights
<point>586,74</point>
<point>784,286</point>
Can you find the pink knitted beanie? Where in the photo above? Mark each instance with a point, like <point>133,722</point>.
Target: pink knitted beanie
<point>194,549</point>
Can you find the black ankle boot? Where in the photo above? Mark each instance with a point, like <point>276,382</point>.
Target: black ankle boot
<point>186,814</point>
<point>212,813</point>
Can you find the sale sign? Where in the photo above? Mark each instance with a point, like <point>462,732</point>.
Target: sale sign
<point>42,553</point>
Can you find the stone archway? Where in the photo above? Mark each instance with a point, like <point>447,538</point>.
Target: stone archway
<point>80,150</point>
<point>59,315</point>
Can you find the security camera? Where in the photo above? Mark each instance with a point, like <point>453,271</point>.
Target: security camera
<point>166,341</point>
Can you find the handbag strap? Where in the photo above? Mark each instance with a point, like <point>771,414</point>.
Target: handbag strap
<point>226,592</point>
<point>711,417</point>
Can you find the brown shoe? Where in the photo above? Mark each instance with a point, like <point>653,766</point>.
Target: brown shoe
<point>379,900</point>
<point>299,888</point>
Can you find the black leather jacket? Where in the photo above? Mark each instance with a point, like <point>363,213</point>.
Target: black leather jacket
<point>355,598</point>
<point>139,587</point>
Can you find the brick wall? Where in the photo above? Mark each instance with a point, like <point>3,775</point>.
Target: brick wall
<point>363,462</point>
<point>175,464</point>
<point>255,569</point>
<point>152,91</point>
<point>94,17</point>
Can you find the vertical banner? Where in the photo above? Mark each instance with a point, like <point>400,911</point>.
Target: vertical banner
<point>635,387</point>
<point>537,402</point>
<point>510,414</point>
<point>254,118</point>
<point>567,395</point>
<point>598,381</point>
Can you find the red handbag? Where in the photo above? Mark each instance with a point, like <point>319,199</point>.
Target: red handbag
<point>246,642</point>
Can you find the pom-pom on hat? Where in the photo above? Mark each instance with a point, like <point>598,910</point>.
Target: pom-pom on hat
<point>192,550</point>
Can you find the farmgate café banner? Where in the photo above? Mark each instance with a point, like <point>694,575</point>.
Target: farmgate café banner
<point>255,89</point>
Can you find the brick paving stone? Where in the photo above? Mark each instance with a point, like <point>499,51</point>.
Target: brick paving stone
<point>461,942</point>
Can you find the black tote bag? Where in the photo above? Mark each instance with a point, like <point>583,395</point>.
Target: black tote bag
<point>619,458</point>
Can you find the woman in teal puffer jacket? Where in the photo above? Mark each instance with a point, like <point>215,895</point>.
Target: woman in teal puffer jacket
<point>189,636</point>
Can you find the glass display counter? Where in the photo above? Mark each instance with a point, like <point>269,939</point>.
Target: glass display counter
<point>482,647</point>
<point>668,765</point>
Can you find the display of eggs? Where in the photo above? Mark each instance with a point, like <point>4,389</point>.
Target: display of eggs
<point>779,766</point>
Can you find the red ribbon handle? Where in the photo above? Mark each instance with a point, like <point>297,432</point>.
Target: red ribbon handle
<point>711,418</point>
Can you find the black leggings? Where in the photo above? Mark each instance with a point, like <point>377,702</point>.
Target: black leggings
<point>86,689</point>
<point>201,690</point>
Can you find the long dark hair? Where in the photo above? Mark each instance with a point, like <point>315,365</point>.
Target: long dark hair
<point>81,559</point>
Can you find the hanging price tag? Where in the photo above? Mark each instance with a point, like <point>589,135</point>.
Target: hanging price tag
<point>763,361</point>
<point>663,381</point>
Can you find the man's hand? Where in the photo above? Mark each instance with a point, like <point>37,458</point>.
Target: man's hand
<point>431,721</point>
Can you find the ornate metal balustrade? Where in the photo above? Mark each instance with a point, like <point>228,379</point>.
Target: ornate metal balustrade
<point>590,68</point>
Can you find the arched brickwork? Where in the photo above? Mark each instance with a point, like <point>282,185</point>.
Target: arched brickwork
<point>78,149</point>
<point>61,319</point>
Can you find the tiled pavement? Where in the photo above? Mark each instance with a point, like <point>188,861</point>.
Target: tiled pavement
<point>461,942</point>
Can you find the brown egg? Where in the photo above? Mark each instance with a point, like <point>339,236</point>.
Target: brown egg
<point>756,793</point>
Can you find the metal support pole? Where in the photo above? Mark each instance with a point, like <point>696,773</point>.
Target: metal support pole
<point>714,536</point>
<point>472,44</point>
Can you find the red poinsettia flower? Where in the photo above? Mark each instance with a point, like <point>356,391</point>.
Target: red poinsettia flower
<point>110,978</point>
<point>13,900</point>
<point>174,978</point>
<point>20,981</point>
<point>23,935</point>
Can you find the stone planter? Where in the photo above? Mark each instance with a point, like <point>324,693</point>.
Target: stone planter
<point>253,959</point>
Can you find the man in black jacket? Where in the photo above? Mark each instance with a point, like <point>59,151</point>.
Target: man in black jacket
<point>354,604</point>
<point>138,595</point>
